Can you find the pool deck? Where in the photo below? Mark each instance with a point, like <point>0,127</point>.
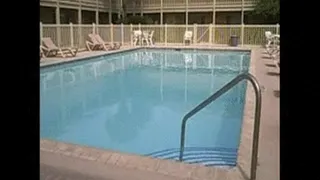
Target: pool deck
<point>68,161</point>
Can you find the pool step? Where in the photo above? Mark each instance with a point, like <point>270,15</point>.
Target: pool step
<point>202,155</point>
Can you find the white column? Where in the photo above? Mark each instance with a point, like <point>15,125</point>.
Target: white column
<point>242,11</point>
<point>141,8</point>
<point>187,13</point>
<point>110,12</point>
<point>97,12</point>
<point>79,23</point>
<point>58,23</point>
<point>161,12</point>
<point>213,21</point>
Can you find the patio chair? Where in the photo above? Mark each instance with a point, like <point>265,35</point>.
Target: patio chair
<point>268,35</point>
<point>49,48</point>
<point>93,44</point>
<point>187,36</point>
<point>145,37</point>
<point>137,35</point>
<point>150,38</point>
<point>107,46</point>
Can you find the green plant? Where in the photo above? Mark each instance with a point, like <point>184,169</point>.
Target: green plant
<point>269,10</point>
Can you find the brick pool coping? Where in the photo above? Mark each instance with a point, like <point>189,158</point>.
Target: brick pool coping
<point>167,167</point>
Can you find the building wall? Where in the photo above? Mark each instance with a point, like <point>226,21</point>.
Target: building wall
<point>227,12</point>
<point>47,16</point>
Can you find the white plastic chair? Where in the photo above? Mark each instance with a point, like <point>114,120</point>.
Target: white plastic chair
<point>150,38</point>
<point>187,36</point>
<point>136,36</point>
<point>145,37</point>
<point>268,35</point>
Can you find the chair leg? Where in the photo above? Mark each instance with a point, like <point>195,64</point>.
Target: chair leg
<point>62,54</point>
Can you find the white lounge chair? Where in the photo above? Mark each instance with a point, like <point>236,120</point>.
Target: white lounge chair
<point>106,45</point>
<point>187,36</point>
<point>93,43</point>
<point>49,48</point>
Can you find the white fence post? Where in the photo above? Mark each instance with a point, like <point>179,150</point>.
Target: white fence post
<point>122,34</point>
<point>131,32</point>
<point>210,33</point>
<point>195,33</point>
<point>242,34</point>
<point>81,42</point>
<point>213,33</point>
<point>93,29</point>
<point>97,28</point>
<point>111,33</point>
<point>41,33</point>
<point>71,35</point>
<point>59,35</point>
<point>139,27</point>
<point>277,28</point>
<point>165,34</point>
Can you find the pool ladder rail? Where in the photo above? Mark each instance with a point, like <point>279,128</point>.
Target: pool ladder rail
<point>216,95</point>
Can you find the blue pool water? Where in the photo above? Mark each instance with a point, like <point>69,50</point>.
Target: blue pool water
<point>134,102</point>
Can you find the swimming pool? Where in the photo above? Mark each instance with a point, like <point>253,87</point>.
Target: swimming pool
<point>134,101</point>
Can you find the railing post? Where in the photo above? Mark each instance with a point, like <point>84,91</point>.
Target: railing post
<point>195,33</point>
<point>41,33</point>
<point>165,34</point>
<point>131,33</point>
<point>93,29</point>
<point>242,34</point>
<point>111,33</point>
<point>122,34</point>
<point>71,35</point>
<point>277,28</point>
<point>139,25</point>
<point>210,33</point>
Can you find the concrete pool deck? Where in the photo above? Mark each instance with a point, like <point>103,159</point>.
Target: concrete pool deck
<point>78,162</point>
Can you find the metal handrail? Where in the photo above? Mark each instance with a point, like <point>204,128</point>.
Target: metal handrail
<point>224,89</point>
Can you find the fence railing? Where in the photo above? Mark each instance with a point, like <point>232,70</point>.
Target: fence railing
<point>76,35</point>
